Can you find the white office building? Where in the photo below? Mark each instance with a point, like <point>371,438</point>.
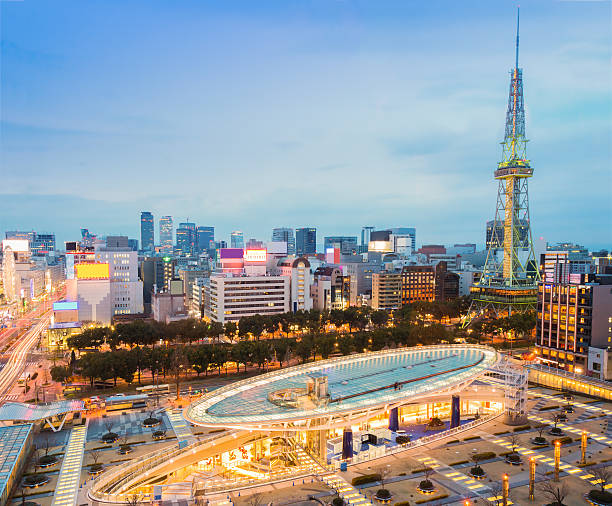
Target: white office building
<point>298,271</point>
<point>229,297</point>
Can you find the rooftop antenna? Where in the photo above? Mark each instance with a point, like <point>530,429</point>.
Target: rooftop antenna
<point>518,12</point>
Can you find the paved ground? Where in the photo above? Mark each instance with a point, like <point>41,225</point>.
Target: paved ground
<point>404,471</point>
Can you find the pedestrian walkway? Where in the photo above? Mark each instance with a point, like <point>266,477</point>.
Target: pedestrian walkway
<point>568,428</point>
<point>345,490</point>
<point>588,407</point>
<point>472,485</point>
<point>67,487</point>
<point>540,458</point>
<point>179,426</point>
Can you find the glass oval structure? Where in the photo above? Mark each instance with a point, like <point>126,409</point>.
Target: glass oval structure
<point>293,397</point>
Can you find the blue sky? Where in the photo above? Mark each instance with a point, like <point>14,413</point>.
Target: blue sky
<point>335,114</point>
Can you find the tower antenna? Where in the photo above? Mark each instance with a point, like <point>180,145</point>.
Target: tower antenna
<point>518,12</point>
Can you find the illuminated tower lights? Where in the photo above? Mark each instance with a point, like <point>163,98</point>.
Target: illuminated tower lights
<point>509,284</point>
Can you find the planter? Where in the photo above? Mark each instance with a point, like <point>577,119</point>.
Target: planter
<point>125,449</point>
<point>599,498</point>
<point>35,480</point>
<point>158,435</point>
<point>109,438</point>
<point>383,496</point>
<point>514,459</point>
<point>478,473</point>
<point>95,469</point>
<point>426,487</point>
<point>151,422</point>
<point>555,431</point>
<point>48,461</point>
<point>539,441</point>
<point>568,409</point>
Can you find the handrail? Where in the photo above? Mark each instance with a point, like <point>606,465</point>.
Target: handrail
<point>118,476</point>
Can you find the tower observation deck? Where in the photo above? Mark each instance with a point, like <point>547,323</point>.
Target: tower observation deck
<point>509,279</point>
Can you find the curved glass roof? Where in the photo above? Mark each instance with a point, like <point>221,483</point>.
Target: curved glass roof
<point>355,382</point>
<point>32,412</point>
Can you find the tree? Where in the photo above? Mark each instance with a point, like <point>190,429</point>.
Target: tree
<point>230,330</point>
<point>556,491</point>
<point>379,318</point>
<point>602,474</point>
<point>325,345</point>
<point>304,348</point>
<point>281,348</point>
<point>345,344</point>
<point>241,353</point>
<point>60,373</point>
<point>133,500</point>
<point>200,358</point>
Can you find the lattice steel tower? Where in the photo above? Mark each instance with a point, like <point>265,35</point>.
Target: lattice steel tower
<point>510,275</point>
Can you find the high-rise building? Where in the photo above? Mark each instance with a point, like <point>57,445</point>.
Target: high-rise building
<point>186,239</point>
<point>298,270</point>
<point>40,244</point>
<point>365,238</point>
<point>509,280</point>
<point>237,239</point>
<point>229,298</point>
<point>346,244</point>
<point>166,235</point>
<point>331,289</point>
<point>147,231</point>
<point>205,239</point>
<point>305,241</point>
<point>574,313</point>
<point>386,290</point>
<point>285,235</point>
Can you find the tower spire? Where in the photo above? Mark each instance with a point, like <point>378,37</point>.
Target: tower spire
<point>518,12</point>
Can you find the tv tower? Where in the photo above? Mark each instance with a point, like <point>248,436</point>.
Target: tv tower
<point>509,280</point>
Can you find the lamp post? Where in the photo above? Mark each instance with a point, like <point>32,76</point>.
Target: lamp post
<point>583,447</point>
<point>532,472</point>
<point>557,459</point>
<point>505,489</point>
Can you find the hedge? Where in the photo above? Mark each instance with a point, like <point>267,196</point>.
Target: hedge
<point>366,478</point>
<point>437,498</point>
<point>484,456</point>
<point>403,503</point>
<point>522,427</point>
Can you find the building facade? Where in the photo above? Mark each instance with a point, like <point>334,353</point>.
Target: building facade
<point>286,235</point>
<point>147,231</point>
<point>298,271</point>
<point>306,241</point>
<point>229,298</point>
<point>386,290</point>
<point>166,235</point>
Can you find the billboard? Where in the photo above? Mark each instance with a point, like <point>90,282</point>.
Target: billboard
<point>255,255</point>
<point>17,245</point>
<point>65,305</point>
<point>231,253</point>
<point>91,271</point>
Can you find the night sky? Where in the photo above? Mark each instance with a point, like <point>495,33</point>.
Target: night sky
<point>335,114</point>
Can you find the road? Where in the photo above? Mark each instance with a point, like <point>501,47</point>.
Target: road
<point>18,353</point>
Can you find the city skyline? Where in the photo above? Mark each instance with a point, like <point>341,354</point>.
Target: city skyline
<point>339,108</point>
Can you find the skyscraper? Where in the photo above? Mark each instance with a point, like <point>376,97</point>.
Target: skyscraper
<point>283,234</point>
<point>204,236</point>
<point>365,238</point>
<point>306,241</point>
<point>509,278</point>
<point>147,231</point>
<point>237,239</point>
<point>166,233</point>
<point>346,244</point>
<point>185,239</point>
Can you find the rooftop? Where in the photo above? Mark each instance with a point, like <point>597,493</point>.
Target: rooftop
<point>12,439</point>
<point>11,411</point>
<point>355,382</point>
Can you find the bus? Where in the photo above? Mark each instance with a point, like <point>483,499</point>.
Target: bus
<point>154,389</point>
<point>117,402</point>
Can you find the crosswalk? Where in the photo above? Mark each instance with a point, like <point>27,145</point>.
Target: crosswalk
<point>588,407</point>
<point>461,479</point>
<point>9,397</point>
<point>540,458</point>
<point>568,428</point>
<point>345,490</point>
